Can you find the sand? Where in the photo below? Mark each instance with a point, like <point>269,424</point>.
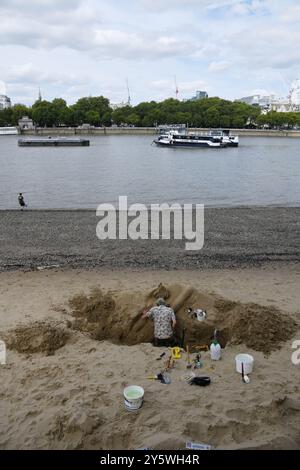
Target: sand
<point>234,237</point>
<point>62,385</point>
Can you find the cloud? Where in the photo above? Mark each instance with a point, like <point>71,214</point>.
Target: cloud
<point>95,39</point>
<point>132,45</point>
<point>163,5</point>
<point>267,48</point>
<point>2,88</point>
<point>38,6</point>
<point>221,66</point>
<point>90,46</point>
<point>29,74</point>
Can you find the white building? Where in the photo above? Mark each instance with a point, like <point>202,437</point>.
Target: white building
<point>115,106</point>
<point>273,103</point>
<point>258,100</point>
<point>5,102</point>
<point>200,95</point>
<point>25,123</point>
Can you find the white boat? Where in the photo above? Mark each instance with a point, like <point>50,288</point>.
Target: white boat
<point>227,138</point>
<point>177,139</point>
<point>8,131</point>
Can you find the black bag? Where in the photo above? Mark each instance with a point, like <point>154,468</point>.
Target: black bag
<point>201,381</point>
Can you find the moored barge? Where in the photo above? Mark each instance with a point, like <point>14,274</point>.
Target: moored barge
<point>54,142</point>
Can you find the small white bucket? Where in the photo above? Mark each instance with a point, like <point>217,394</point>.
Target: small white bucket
<point>248,362</point>
<point>134,397</point>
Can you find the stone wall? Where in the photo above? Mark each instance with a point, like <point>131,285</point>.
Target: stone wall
<point>149,131</point>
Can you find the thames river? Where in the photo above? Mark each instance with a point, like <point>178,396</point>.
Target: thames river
<point>262,171</point>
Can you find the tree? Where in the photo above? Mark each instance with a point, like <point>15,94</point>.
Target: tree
<point>133,119</point>
<point>67,117</point>
<point>6,117</point>
<point>119,116</point>
<point>93,118</point>
<point>98,104</point>
<point>43,114</point>
<point>212,117</point>
<point>18,111</point>
<point>106,119</point>
<point>211,112</point>
<point>58,109</point>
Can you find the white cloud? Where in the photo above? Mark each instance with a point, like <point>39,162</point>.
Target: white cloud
<point>132,45</point>
<point>221,66</point>
<point>29,74</point>
<point>96,40</point>
<point>2,88</point>
<point>38,6</point>
<point>163,5</point>
<point>90,46</point>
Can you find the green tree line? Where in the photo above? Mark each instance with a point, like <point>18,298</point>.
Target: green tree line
<point>274,120</point>
<point>96,111</point>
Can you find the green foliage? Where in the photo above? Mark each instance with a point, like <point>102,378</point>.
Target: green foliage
<point>212,112</point>
<point>43,114</point>
<point>6,117</point>
<point>92,110</point>
<point>18,111</point>
<point>133,119</point>
<point>274,120</point>
<point>92,117</point>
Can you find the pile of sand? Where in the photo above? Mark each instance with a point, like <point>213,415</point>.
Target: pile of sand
<point>258,327</point>
<point>37,337</point>
<point>117,317</point>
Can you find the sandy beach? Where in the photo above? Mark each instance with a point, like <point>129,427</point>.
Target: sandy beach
<point>62,389</point>
<point>149,231</point>
<point>234,238</point>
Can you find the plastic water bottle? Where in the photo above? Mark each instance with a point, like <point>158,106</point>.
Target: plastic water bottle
<point>215,351</point>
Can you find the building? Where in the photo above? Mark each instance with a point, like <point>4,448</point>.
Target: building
<point>5,102</point>
<point>200,95</point>
<point>25,123</point>
<point>269,103</point>
<point>115,106</point>
<point>258,100</point>
<point>284,105</point>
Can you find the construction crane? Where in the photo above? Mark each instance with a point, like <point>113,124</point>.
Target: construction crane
<point>128,91</point>
<point>176,88</point>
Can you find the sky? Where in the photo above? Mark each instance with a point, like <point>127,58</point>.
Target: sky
<point>75,48</point>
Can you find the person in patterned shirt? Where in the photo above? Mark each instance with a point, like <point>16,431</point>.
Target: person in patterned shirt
<point>164,323</point>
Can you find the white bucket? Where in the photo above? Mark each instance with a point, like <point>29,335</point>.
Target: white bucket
<point>248,362</point>
<point>134,397</point>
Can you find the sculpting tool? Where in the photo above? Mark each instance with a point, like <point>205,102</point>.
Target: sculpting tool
<point>189,365</point>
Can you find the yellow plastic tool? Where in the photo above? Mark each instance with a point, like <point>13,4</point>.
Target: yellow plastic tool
<point>176,353</point>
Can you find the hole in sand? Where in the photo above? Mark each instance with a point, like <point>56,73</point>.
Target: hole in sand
<point>116,316</point>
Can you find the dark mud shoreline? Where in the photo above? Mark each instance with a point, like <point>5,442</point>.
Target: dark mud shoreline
<point>234,237</point>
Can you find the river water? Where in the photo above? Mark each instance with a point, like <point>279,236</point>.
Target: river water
<point>262,171</point>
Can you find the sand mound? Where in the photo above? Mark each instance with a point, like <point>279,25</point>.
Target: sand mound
<point>117,317</point>
<point>260,328</point>
<point>37,338</point>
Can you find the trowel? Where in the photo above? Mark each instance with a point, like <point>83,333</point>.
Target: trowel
<point>245,377</point>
